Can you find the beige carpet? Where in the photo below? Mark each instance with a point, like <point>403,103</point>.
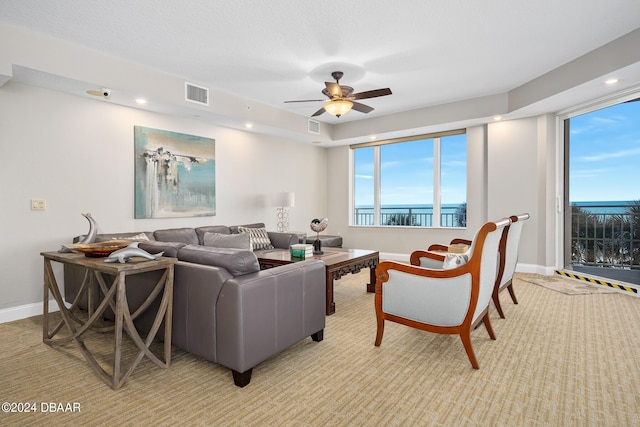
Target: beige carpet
<point>565,285</point>
<point>558,361</point>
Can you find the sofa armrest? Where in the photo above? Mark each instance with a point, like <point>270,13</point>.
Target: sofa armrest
<point>260,314</point>
<point>282,240</point>
<point>196,290</point>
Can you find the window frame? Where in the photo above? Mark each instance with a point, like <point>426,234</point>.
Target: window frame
<point>437,167</point>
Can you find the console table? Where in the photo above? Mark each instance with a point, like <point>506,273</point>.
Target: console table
<point>338,262</point>
<point>114,297</point>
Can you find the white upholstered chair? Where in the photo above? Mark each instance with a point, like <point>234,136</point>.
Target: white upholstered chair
<point>508,261</point>
<point>443,301</point>
<point>509,245</point>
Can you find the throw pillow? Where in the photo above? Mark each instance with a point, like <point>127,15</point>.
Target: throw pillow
<point>452,261</point>
<point>142,237</point>
<point>234,241</point>
<point>259,237</point>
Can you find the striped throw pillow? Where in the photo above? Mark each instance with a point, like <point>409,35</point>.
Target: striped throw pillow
<point>258,236</point>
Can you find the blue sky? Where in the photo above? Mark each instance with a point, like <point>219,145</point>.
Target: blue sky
<point>604,163</point>
<point>407,172</point>
<point>605,154</point>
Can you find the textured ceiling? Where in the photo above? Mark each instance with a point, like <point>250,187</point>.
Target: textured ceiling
<point>428,52</point>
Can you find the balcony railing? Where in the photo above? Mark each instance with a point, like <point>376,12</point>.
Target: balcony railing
<point>606,239</point>
<point>450,216</point>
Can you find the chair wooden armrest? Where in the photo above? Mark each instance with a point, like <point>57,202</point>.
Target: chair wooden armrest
<point>427,258</point>
<point>438,247</point>
<point>461,241</point>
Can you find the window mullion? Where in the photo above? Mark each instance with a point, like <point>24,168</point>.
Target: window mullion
<point>376,186</point>
<point>436,183</point>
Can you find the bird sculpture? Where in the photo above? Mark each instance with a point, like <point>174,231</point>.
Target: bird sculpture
<point>318,225</point>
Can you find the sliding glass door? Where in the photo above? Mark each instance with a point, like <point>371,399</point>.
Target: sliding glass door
<point>602,193</point>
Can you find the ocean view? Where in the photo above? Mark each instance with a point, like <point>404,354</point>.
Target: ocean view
<point>454,214</point>
<point>610,207</point>
<point>615,206</point>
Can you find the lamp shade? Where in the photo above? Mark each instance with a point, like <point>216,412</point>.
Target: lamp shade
<point>339,107</point>
<point>283,199</point>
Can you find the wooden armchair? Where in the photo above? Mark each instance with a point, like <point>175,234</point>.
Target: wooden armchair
<point>508,258</point>
<point>442,301</point>
<point>509,246</point>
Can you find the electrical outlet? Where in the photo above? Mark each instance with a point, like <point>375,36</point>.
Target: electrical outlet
<point>38,204</point>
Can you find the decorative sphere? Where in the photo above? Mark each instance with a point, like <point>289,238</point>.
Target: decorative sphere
<point>319,225</point>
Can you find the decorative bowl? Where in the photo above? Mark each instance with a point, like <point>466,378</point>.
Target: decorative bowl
<point>101,249</point>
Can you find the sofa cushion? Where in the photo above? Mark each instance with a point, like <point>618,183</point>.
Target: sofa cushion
<point>236,261</point>
<point>184,235</point>
<point>259,237</point>
<point>220,229</point>
<point>234,228</point>
<point>170,249</point>
<point>235,241</point>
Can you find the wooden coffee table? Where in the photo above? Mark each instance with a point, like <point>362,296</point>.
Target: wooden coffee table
<point>338,262</point>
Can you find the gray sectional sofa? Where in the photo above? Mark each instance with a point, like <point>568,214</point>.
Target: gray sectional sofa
<point>225,309</point>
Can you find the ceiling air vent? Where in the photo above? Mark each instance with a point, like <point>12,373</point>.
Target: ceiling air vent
<point>195,93</point>
<point>314,127</point>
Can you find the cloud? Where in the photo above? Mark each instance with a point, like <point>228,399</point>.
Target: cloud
<point>364,176</point>
<point>611,155</point>
<point>589,173</point>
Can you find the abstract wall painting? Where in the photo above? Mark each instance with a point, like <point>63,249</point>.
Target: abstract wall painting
<point>175,174</point>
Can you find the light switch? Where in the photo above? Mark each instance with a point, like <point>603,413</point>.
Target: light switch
<point>38,204</point>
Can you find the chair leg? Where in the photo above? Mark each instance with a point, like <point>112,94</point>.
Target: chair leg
<point>496,302</point>
<point>380,330</point>
<point>487,324</point>
<point>379,318</point>
<point>512,293</point>
<point>465,336</point>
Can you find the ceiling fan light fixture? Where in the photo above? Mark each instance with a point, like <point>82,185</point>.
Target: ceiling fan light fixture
<point>338,107</point>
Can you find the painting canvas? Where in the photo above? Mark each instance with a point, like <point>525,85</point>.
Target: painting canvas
<point>175,174</point>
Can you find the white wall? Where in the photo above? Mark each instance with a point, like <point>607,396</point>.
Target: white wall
<point>77,153</point>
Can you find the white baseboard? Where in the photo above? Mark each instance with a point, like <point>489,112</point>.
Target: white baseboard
<point>23,311</point>
<point>535,269</point>
<point>394,257</point>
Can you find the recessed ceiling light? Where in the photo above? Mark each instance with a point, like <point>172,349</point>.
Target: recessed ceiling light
<point>140,101</point>
<point>497,118</point>
<point>248,125</point>
<point>372,137</point>
<point>611,81</point>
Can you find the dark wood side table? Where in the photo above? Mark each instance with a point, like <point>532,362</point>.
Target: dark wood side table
<point>338,262</point>
<point>114,297</point>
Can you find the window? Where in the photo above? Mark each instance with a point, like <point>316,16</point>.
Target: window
<point>419,181</point>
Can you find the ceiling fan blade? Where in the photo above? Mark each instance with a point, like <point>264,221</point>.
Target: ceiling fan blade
<point>334,90</point>
<point>361,107</point>
<point>306,100</point>
<point>371,93</point>
<point>317,113</point>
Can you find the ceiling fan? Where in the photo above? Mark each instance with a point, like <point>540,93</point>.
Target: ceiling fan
<point>342,99</point>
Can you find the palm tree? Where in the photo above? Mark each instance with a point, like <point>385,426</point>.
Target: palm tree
<point>402,219</point>
<point>633,221</point>
<point>583,230</point>
<point>461,215</point>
